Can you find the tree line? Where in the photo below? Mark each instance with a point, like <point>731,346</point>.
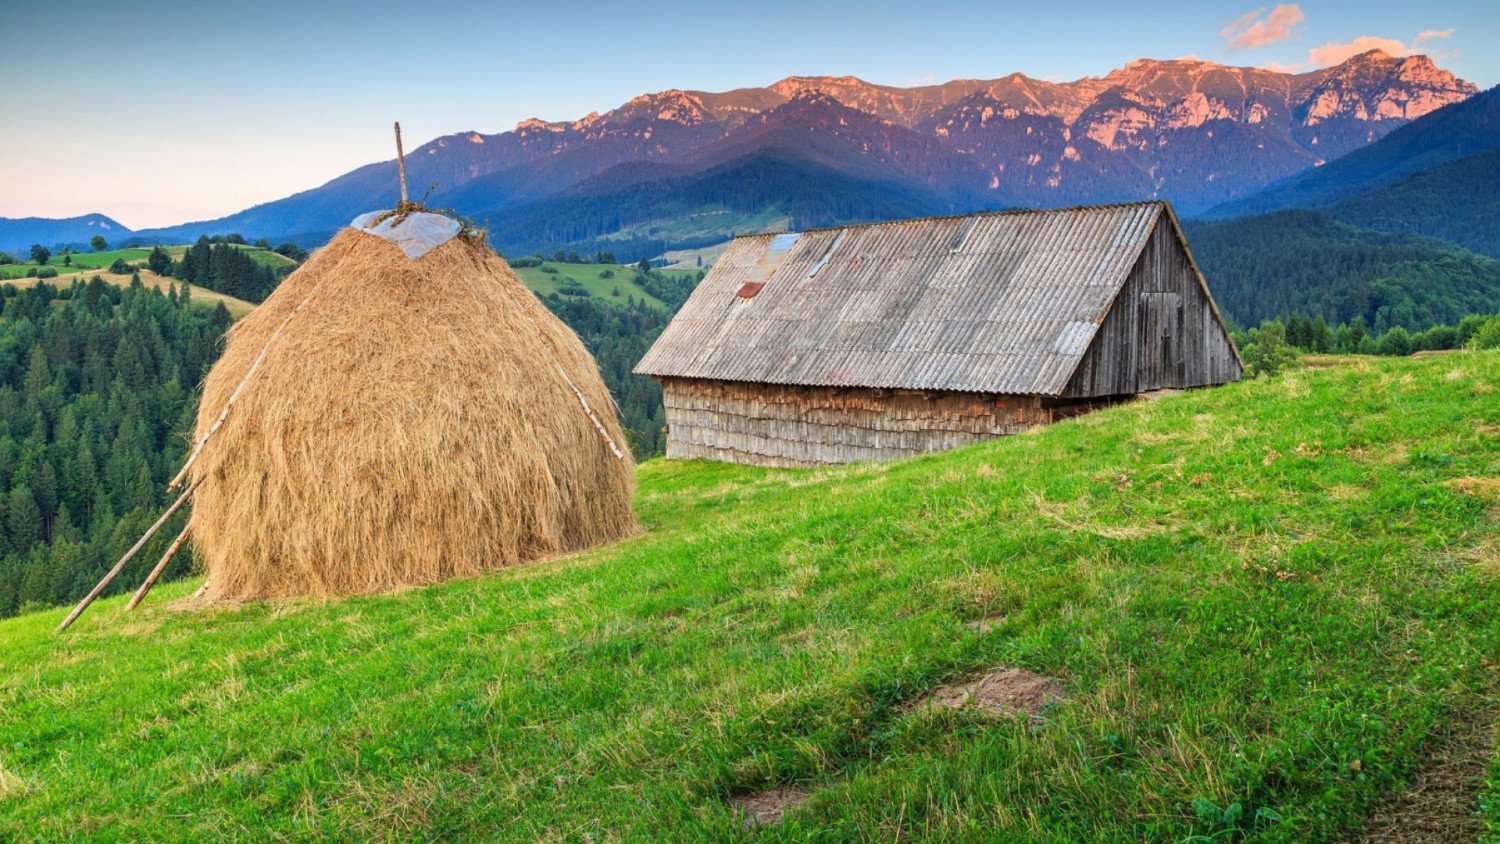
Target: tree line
<point>1275,343</point>
<point>222,267</point>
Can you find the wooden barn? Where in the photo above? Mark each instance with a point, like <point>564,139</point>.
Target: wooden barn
<point>887,340</point>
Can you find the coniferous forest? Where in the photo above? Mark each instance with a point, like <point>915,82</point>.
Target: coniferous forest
<point>221,267</point>
<point>97,385</point>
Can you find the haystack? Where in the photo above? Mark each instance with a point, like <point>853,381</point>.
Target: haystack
<point>416,415</point>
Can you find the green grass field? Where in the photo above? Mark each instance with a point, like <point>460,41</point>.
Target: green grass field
<point>1266,604</point>
<point>82,261</point>
<point>86,261</point>
<point>616,290</point>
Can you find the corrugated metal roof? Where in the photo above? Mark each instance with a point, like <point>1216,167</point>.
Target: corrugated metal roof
<point>996,303</point>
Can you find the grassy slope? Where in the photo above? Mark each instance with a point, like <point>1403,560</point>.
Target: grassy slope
<point>588,275</point>
<point>1246,591</point>
<point>81,262</point>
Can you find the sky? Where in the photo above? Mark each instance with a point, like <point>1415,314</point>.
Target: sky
<point>164,112</point>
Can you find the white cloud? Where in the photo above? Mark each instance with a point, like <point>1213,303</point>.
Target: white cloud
<point>1252,30</point>
<point>1433,35</point>
<point>1338,52</point>
<point>1332,54</point>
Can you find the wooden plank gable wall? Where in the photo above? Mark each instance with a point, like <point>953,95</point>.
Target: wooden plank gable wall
<point>1162,331</point>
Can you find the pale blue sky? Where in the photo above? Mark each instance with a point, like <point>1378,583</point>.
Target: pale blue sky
<point>161,112</point>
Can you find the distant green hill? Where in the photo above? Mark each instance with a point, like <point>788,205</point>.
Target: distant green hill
<point>1264,607</point>
<point>1458,202</point>
<point>1303,262</point>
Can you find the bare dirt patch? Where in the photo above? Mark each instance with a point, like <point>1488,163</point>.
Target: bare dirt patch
<point>768,807</point>
<point>1004,691</point>
<point>1439,807</point>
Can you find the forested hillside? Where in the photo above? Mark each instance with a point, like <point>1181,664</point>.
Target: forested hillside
<point>1458,202</point>
<point>223,267</point>
<point>97,384</point>
<point>1305,263</point>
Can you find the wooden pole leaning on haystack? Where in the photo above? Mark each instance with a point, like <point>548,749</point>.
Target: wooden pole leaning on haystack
<point>598,426</point>
<point>224,414</point>
<point>129,555</point>
<point>161,566</point>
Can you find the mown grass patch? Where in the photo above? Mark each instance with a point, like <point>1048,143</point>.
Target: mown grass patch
<point>1260,603</point>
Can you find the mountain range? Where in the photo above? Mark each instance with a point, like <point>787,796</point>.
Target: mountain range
<point>17,233</point>
<point>689,167</point>
<point>1369,190</point>
<point>1404,231</point>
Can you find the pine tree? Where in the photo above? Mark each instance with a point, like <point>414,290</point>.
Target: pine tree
<point>23,521</point>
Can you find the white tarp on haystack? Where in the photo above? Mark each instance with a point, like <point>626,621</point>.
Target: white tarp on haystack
<point>416,233</point>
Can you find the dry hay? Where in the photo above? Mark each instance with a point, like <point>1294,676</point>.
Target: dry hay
<point>1004,691</point>
<point>1486,488</point>
<point>768,807</point>
<point>11,785</point>
<point>412,424</point>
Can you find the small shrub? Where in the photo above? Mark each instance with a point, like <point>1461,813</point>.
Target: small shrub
<point>549,269</point>
<point>45,272</point>
<point>571,287</point>
<point>120,267</point>
<point>1266,351</point>
<point>1396,342</point>
<point>607,274</point>
<point>1487,336</point>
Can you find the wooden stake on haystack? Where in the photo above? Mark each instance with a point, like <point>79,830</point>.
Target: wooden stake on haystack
<point>401,166</point>
<point>589,411</point>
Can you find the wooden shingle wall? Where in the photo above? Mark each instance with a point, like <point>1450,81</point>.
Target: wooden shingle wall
<point>783,425</point>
